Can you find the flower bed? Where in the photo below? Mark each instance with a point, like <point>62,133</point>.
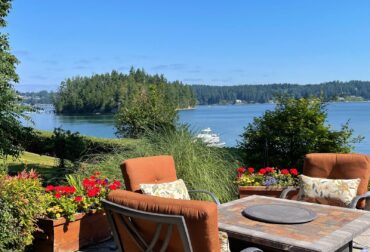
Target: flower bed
<point>266,181</point>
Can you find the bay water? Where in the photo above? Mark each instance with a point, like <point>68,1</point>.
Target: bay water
<point>226,120</point>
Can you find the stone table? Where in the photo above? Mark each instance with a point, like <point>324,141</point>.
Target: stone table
<point>333,230</point>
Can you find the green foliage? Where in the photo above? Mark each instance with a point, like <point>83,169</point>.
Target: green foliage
<point>200,166</point>
<point>282,137</point>
<point>12,134</point>
<point>42,143</point>
<point>330,91</point>
<point>146,109</point>
<point>103,93</point>
<point>67,145</point>
<point>22,200</point>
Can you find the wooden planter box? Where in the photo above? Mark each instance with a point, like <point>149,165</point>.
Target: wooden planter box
<point>245,191</point>
<point>62,236</point>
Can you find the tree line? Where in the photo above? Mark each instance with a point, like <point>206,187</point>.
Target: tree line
<point>103,93</point>
<point>329,91</point>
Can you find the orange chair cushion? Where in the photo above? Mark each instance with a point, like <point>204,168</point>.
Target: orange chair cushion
<point>201,219</point>
<point>339,166</point>
<point>148,170</point>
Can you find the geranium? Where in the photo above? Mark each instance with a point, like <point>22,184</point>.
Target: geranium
<point>241,169</point>
<point>268,176</point>
<point>284,171</point>
<point>83,196</point>
<point>293,171</point>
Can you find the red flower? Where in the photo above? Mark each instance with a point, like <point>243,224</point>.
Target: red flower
<point>93,192</point>
<point>58,195</point>
<point>117,183</point>
<point>69,189</point>
<point>250,169</point>
<point>112,187</point>
<point>262,171</point>
<point>49,188</point>
<point>92,178</point>
<point>241,170</point>
<point>284,171</point>
<point>78,198</point>
<point>269,169</point>
<point>97,174</point>
<point>294,171</point>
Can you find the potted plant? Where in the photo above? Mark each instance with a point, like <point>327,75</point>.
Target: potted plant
<point>75,217</point>
<point>266,181</point>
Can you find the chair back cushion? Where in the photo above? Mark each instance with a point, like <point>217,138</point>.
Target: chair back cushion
<point>148,170</point>
<point>200,217</point>
<point>339,166</point>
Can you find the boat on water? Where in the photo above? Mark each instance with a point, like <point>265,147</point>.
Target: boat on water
<point>210,138</point>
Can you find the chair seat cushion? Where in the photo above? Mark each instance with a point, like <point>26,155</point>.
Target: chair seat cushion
<point>178,190</point>
<point>330,190</point>
<point>174,190</point>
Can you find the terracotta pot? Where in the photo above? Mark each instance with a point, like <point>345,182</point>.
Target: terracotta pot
<point>245,191</point>
<point>61,236</point>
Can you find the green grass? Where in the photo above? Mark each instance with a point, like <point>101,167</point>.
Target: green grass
<point>201,167</point>
<point>44,165</point>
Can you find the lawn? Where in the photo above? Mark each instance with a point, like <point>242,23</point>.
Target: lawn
<point>44,165</point>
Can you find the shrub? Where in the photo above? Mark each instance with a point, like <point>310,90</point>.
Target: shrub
<point>145,109</point>
<point>67,145</point>
<point>296,127</point>
<point>42,143</point>
<point>22,200</point>
<point>200,166</point>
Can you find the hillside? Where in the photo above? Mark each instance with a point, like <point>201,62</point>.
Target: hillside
<point>330,91</point>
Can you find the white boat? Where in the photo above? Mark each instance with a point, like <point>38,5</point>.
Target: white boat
<point>210,138</point>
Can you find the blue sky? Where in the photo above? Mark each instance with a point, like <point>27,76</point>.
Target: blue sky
<point>206,42</point>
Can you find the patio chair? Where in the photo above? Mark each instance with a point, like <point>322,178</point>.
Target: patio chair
<point>149,223</point>
<point>153,170</point>
<point>339,166</point>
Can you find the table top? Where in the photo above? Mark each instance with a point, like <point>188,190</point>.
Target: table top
<point>333,228</point>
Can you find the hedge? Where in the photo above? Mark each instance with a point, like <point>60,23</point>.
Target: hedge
<point>42,144</point>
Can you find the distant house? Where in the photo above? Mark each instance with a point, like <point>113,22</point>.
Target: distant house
<point>238,101</point>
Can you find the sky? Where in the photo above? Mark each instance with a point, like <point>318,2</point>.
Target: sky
<point>210,42</point>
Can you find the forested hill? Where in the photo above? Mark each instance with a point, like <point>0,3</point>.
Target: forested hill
<point>102,93</point>
<point>336,90</point>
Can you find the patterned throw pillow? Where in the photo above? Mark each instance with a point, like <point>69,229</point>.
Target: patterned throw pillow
<point>343,190</point>
<point>174,190</point>
<point>178,190</point>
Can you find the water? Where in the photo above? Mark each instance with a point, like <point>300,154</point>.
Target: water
<point>227,120</point>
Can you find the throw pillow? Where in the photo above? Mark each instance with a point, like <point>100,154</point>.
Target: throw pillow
<point>174,190</point>
<point>342,190</point>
